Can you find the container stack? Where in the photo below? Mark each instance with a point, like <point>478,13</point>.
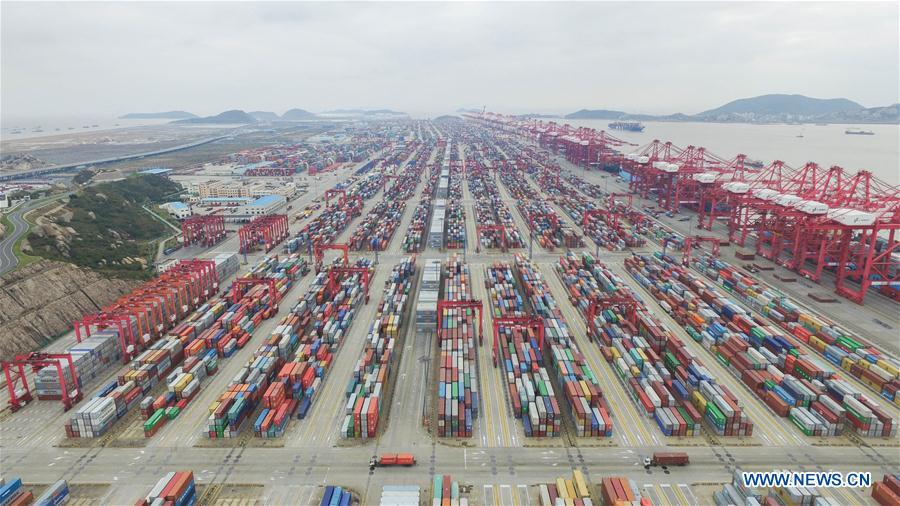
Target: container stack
<point>573,491</point>
<point>336,496</point>
<point>457,377</point>
<point>445,492</point>
<point>618,490</point>
<point>490,210</point>
<point>91,358</point>
<point>378,226</point>
<point>644,355</point>
<point>400,495</point>
<point>303,348</point>
<point>416,231</point>
<point>456,225</point>
<point>857,357</point>
<point>530,389</point>
<point>226,265</point>
<point>55,494</point>
<point>12,493</point>
<point>887,491</point>
<point>177,488</point>
<point>763,357</point>
<point>369,380</point>
<point>582,391</point>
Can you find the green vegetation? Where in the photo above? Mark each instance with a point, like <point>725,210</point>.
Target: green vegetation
<point>110,225</point>
<point>84,176</point>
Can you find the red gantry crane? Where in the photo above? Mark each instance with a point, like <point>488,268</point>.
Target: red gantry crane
<point>204,230</point>
<point>534,323</point>
<point>17,382</point>
<point>461,304</point>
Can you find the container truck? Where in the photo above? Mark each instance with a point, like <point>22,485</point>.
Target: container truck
<point>392,459</point>
<point>667,459</point>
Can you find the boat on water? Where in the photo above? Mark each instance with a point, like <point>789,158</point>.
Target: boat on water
<point>628,126</point>
<point>857,131</point>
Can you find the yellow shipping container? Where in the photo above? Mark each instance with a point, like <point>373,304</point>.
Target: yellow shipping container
<point>581,484</point>
<point>561,488</point>
<point>585,389</point>
<point>635,371</point>
<point>889,367</point>
<point>570,489</point>
<point>699,401</point>
<point>213,406</point>
<point>615,353</point>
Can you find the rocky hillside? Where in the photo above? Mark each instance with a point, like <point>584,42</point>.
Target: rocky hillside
<point>40,302</point>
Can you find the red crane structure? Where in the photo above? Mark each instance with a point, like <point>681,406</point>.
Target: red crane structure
<point>319,253</point>
<point>627,196</point>
<point>205,230</point>
<point>265,230</point>
<point>240,286</point>
<point>499,229</point>
<point>461,304</point>
<point>689,243</point>
<point>611,218</point>
<point>334,278</point>
<point>149,310</point>
<point>535,323</point>
<point>625,302</point>
<point>17,382</point>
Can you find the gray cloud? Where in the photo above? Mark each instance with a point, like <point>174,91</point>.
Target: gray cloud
<point>105,58</point>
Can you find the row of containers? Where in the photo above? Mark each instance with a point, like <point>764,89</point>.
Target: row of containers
<point>288,369</point>
<point>370,378</point>
<point>400,495</point>
<point>491,211</point>
<point>735,492</point>
<point>445,492</point>
<point>530,389</point>
<point>336,216</point>
<point>606,226</point>
<point>571,373</point>
<point>231,332</point>
<point>457,388</point>
<point>415,233</point>
<point>14,493</point>
<point>176,488</point>
<point>379,224</point>
<point>455,231</point>
<point>856,356</point>
<point>768,360</point>
<point>103,342</point>
<point>182,361</point>
<point>663,377</point>
<point>336,496</point>
<point>549,229</point>
<point>572,491</point>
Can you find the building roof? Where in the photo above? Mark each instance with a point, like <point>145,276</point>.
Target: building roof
<point>267,200</point>
<point>156,170</point>
<point>226,199</point>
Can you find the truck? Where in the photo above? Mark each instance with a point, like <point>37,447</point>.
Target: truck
<point>667,459</point>
<point>392,459</point>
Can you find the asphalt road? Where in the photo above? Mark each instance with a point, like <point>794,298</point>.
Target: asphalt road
<point>8,259</point>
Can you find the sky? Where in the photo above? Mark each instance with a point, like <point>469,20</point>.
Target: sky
<point>98,59</point>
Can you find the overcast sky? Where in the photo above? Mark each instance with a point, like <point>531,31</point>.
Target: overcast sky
<point>79,59</point>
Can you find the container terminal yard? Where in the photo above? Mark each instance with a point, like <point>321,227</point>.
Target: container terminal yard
<point>488,310</point>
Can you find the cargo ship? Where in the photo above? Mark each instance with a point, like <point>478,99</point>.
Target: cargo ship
<point>856,131</point>
<point>628,126</point>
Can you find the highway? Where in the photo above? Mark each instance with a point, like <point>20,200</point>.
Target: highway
<point>498,465</point>
<point>62,167</point>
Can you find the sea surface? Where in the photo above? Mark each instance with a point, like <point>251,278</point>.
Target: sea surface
<point>17,129</point>
<point>795,145</point>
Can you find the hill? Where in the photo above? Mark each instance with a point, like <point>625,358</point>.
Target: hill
<point>779,104</point>
<point>105,227</point>
<point>232,117</point>
<point>595,114</point>
<point>776,108</point>
<point>263,115</point>
<point>159,115</point>
<point>297,114</point>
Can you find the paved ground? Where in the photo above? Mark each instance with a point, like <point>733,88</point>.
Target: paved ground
<point>500,464</point>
